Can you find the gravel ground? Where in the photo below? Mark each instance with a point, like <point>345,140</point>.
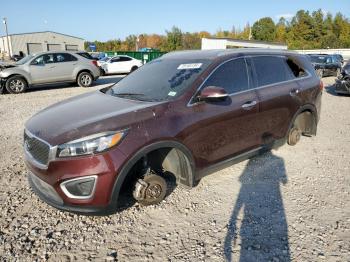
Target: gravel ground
<point>289,204</point>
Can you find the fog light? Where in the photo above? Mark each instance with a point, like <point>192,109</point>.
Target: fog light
<point>79,188</point>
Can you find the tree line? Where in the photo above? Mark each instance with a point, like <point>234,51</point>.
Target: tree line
<point>305,30</point>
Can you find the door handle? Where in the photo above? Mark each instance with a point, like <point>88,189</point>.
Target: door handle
<point>249,105</point>
<point>294,92</point>
<point>52,66</point>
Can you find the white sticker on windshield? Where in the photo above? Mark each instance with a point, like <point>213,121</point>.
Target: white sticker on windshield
<point>190,66</point>
<point>172,93</point>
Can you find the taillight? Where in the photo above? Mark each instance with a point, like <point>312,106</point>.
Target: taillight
<point>94,62</point>
<point>321,85</point>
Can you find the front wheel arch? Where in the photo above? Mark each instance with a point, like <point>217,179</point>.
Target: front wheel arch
<point>16,75</point>
<point>186,165</point>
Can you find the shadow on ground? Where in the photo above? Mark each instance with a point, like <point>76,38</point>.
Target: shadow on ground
<point>263,230</point>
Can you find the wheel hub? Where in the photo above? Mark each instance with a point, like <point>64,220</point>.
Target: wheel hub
<point>153,191</point>
<point>86,80</point>
<point>150,190</point>
<point>16,85</point>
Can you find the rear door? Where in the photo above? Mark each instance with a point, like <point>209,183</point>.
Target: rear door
<point>225,128</point>
<point>125,64</point>
<point>278,93</point>
<point>64,66</point>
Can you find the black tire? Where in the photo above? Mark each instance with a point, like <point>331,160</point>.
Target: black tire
<point>293,136</point>
<point>16,85</point>
<point>133,69</point>
<point>156,190</point>
<point>85,79</point>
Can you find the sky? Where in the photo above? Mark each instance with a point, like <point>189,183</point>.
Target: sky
<point>104,20</point>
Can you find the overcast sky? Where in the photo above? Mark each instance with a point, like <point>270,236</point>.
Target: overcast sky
<point>103,20</point>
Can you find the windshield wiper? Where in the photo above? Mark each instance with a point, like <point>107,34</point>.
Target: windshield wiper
<point>129,94</point>
<point>135,96</point>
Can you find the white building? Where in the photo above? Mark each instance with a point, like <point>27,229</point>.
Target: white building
<point>35,42</point>
<point>224,43</point>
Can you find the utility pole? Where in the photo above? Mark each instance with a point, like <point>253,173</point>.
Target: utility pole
<point>4,20</point>
<point>137,44</point>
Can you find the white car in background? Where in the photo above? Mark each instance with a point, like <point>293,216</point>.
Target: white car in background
<point>121,64</point>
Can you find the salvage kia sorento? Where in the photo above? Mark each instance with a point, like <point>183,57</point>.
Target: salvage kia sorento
<point>183,115</point>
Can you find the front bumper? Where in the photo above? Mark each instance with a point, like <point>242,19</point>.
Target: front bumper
<point>2,85</point>
<point>47,195</point>
<point>46,182</point>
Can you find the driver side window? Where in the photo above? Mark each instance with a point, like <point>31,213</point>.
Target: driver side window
<point>38,61</point>
<point>232,76</point>
<point>44,59</point>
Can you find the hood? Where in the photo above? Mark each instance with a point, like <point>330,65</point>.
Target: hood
<point>3,66</point>
<point>87,114</point>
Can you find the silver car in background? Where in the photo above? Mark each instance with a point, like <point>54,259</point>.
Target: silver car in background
<point>47,68</point>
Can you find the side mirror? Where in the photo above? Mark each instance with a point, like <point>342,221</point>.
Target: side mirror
<point>212,93</point>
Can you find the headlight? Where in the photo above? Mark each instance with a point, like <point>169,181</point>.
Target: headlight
<point>90,145</point>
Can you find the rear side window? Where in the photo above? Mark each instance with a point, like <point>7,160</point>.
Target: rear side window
<point>271,69</point>
<point>295,69</point>
<point>124,58</point>
<point>232,76</point>
<point>64,57</point>
<point>85,55</point>
<point>115,59</point>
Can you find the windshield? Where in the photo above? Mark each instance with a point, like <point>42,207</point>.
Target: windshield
<point>318,59</point>
<point>160,79</point>
<point>24,60</point>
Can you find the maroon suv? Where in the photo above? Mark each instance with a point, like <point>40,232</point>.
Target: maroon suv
<point>185,114</point>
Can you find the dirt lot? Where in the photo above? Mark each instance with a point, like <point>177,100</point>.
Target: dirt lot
<point>290,204</point>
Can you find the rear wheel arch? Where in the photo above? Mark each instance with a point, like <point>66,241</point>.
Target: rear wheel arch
<point>306,120</point>
<point>171,156</point>
<point>81,71</point>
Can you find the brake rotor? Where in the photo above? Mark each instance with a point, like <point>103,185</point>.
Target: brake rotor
<point>294,136</point>
<point>150,190</point>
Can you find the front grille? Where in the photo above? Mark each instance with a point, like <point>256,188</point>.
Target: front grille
<point>37,149</point>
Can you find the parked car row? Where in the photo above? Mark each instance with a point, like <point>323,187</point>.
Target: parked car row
<point>327,65</point>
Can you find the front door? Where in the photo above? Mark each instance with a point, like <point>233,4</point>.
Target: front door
<point>222,129</point>
<point>42,69</point>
